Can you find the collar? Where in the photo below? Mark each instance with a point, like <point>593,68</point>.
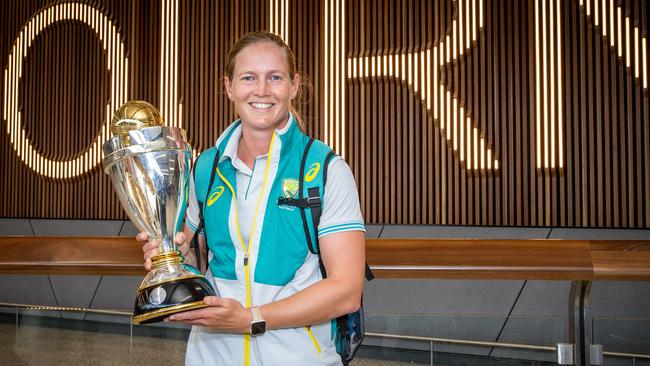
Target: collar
<point>230,150</point>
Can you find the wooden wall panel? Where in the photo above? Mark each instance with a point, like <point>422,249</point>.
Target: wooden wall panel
<point>63,94</point>
<point>592,111</point>
<point>548,90</point>
<point>65,87</point>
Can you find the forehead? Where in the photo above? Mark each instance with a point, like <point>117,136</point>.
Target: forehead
<point>261,56</point>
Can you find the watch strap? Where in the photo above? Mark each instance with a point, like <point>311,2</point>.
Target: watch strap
<point>257,313</point>
<point>258,325</point>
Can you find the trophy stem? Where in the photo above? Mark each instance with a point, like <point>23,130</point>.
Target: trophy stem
<point>164,259</point>
<point>167,245</point>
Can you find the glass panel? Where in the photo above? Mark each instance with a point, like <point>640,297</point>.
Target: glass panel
<point>621,319</point>
<point>52,337</point>
<point>40,336</point>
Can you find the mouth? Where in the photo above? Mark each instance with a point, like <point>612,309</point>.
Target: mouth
<point>261,106</point>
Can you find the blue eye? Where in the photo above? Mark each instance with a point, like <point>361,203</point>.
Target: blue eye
<point>276,77</point>
<point>248,78</point>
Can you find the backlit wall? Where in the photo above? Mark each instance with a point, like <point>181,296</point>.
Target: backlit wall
<point>466,112</point>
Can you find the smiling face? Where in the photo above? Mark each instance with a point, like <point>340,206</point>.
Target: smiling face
<point>261,86</point>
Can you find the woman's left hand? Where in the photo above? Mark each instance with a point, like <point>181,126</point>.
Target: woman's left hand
<point>221,314</point>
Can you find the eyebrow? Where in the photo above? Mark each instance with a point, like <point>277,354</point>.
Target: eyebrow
<point>255,73</point>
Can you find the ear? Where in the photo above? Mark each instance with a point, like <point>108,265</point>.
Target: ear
<point>228,85</point>
<point>295,85</point>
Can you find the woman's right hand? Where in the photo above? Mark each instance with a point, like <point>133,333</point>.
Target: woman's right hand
<point>149,247</point>
<point>152,247</point>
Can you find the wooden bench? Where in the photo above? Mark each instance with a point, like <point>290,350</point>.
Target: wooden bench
<point>579,261</point>
<point>390,258</point>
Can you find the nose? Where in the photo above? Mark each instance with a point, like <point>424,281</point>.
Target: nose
<point>262,88</point>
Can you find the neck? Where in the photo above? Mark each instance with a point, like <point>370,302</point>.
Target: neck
<point>253,143</point>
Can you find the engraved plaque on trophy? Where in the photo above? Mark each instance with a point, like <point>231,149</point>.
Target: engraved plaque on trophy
<point>149,166</point>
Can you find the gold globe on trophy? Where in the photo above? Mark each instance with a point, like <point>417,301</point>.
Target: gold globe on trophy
<point>135,115</point>
<point>149,166</point>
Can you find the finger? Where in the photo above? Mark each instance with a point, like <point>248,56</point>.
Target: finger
<point>142,237</point>
<point>149,258</point>
<point>213,301</point>
<point>201,322</point>
<point>180,238</point>
<point>191,315</point>
<point>151,253</point>
<point>150,245</point>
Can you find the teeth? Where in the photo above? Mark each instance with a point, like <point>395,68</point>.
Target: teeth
<point>262,105</point>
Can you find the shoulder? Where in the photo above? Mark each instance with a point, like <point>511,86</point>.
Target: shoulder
<point>315,162</point>
<point>336,165</point>
<point>205,159</point>
<point>202,170</point>
<point>320,148</point>
<point>341,209</point>
<point>319,154</point>
<point>339,176</point>
<point>226,134</point>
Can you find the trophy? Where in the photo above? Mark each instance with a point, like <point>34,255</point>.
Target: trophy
<point>149,165</point>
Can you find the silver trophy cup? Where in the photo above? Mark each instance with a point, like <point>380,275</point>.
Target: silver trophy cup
<point>149,166</point>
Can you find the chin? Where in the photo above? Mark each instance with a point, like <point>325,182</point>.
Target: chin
<point>266,122</point>
<point>257,124</point>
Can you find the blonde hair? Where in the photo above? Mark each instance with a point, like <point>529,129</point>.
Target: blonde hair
<point>264,36</point>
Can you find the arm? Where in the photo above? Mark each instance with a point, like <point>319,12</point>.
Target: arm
<point>336,295</point>
<point>344,257</point>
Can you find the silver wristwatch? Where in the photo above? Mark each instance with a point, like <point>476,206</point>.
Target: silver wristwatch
<point>258,325</point>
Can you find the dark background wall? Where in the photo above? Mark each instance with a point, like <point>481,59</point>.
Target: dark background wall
<point>561,105</point>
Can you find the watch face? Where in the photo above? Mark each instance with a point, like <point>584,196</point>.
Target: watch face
<point>258,327</point>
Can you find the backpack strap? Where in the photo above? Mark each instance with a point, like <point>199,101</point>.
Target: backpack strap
<point>302,202</point>
<point>315,215</point>
<point>314,195</point>
<point>314,202</point>
<point>195,238</point>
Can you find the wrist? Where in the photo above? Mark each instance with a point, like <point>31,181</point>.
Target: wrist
<point>248,319</point>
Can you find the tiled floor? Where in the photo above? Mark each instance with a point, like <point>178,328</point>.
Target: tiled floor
<point>35,345</point>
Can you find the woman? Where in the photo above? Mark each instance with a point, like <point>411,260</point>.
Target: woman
<point>258,258</point>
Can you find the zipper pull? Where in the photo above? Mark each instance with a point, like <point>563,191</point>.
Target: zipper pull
<point>245,259</point>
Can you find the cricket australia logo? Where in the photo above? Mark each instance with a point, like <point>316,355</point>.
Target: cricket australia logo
<point>289,187</point>
<point>289,190</point>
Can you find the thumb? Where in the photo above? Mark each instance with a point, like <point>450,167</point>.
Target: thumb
<point>180,238</point>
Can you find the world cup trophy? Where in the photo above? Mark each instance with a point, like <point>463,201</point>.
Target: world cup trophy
<point>149,166</point>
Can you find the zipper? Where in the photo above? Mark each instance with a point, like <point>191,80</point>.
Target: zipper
<point>246,247</point>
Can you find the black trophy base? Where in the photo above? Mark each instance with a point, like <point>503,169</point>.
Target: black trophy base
<point>155,303</point>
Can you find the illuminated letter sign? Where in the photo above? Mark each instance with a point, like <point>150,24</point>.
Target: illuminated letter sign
<point>117,66</point>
